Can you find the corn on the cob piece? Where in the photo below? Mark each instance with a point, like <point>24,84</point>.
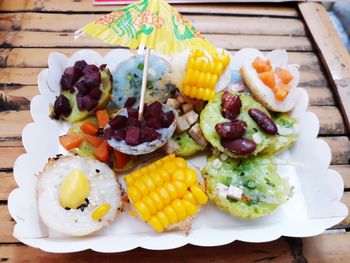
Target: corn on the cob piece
<point>202,74</point>
<point>165,192</point>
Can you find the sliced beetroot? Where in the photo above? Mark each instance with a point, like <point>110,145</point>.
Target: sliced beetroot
<point>118,122</point>
<point>80,65</point>
<point>133,136</point>
<point>95,93</point>
<point>70,76</point>
<point>230,105</point>
<point>82,89</point>
<point>92,76</point>
<point>120,134</point>
<point>167,118</point>
<point>153,123</point>
<point>108,133</point>
<point>133,122</point>
<point>103,66</point>
<point>231,130</point>
<point>130,102</point>
<point>153,110</point>
<point>86,102</point>
<point>62,107</point>
<point>149,134</point>
<point>133,113</point>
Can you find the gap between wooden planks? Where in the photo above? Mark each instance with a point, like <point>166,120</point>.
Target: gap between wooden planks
<point>34,57</point>
<point>204,23</point>
<point>62,39</point>
<point>28,76</point>
<point>87,6</point>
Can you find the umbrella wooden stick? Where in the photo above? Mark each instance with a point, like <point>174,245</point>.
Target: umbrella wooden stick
<point>144,82</point>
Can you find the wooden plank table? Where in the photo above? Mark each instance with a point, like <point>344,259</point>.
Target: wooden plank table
<point>30,29</point>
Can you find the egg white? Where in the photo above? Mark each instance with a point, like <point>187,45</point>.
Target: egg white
<point>104,188</point>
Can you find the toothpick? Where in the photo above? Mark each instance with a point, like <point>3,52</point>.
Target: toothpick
<point>144,82</point>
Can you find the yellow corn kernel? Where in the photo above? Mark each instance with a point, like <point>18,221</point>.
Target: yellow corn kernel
<point>150,204</point>
<point>191,62</point>
<point>152,167</point>
<point>197,53</point>
<point>142,210</point>
<point>100,211</point>
<point>218,68</point>
<point>180,188</point>
<point>128,179</point>
<point>156,200</point>
<point>179,175</point>
<point>180,162</point>
<point>206,79</point>
<point>133,193</point>
<point>157,178</point>
<point>163,219</point>
<point>187,90</point>
<point>165,176</point>
<point>164,195</point>
<point>156,224</point>
<point>193,92</point>
<point>191,209</point>
<point>170,167</point>
<point>194,77</point>
<point>191,177</point>
<point>200,196</point>
<point>199,94</point>
<point>213,81</point>
<point>141,187</point>
<point>206,94</point>
<point>180,209</point>
<point>171,214</point>
<point>171,190</point>
<point>147,180</point>
<point>189,197</point>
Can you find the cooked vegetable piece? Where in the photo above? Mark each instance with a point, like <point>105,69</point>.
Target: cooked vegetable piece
<point>93,140</point>
<point>101,153</point>
<point>70,141</point>
<point>158,192</point>
<point>202,74</point>
<point>121,159</point>
<point>281,91</point>
<point>260,189</point>
<point>268,78</point>
<point>187,146</point>
<point>261,65</point>
<point>284,75</point>
<point>102,118</point>
<point>88,127</point>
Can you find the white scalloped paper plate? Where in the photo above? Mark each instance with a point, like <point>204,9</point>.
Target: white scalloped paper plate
<point>314,207</point>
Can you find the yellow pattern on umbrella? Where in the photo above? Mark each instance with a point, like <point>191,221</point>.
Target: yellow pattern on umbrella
<point>150,23</point>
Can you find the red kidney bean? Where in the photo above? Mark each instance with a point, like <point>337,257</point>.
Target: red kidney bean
<point>239,146</point>
<point>263,120</point>
<point>230,105</point>
<point>231,130</point>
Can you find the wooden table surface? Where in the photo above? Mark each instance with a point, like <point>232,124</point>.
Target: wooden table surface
<point>31,29</point>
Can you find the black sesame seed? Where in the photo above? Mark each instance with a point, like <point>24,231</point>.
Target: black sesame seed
<point>67,208</point>
<point>242,174</point>
<point>87,201</point>
<point>255,129</point>
<point>97,170</point>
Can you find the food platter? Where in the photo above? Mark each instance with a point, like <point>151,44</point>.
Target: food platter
<point>314,207</point>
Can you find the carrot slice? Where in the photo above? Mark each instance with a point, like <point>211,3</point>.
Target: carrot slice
<point>121,159</point>
<point>93,140</point>
<point>281,91</point>
<point>88,127</point>
<point>268,78</point>
<point>101,153</point>
<point>102,118</point>
<point>261,65</point>
<point>284,75</point>
<point>70,141</point>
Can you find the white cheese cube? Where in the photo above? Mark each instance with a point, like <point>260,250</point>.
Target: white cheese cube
<point>222,190</point>
<point>217,164</point>
<point>234,192</point>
